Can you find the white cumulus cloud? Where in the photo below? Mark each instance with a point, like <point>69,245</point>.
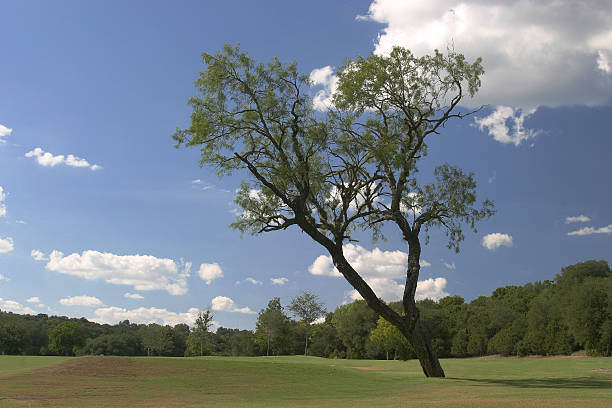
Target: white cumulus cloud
<point>380,269</point>
<point>390,290</point>
<point>135,296</point>
<point>591,231</point>
<point>547,52</point>
<point>15,307</point>
<point>432,288</point>
<point>326,79</point>
<point>3,278</point>
<point>279,281</point>
<point>210,272</point>
<point>535,53</point>
<point>374,263</point>
<point>143,272</point>
<point>506,125</point>
<point>83,300</point>
<point>496,240</point>
<point>47,159</point>
<point>4,132</point>
<point>33,299</point>
<point>225,304</point>
<point>6,245</point>
<point>113,314</point>
<point>450,265</point>
<point>38,255</point>
<point>579,218</point>
<point>323,265</point>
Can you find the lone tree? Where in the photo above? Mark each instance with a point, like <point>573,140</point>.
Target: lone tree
<point>203,323</point>
<point>308,307</point>
<point>356,168</point>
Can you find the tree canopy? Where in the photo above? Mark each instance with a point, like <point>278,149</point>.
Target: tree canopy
<point>354,168</point>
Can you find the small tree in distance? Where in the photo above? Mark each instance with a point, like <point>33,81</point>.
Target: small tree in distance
<point>354,169</point>
<point>203,323</point>
<point>308,308</point>
<point>272,326</point>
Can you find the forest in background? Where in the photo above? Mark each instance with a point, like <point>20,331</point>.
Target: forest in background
<point>569,313</point>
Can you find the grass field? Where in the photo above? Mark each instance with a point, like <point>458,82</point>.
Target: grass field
<point>12,365</point>
<point>302,382</point>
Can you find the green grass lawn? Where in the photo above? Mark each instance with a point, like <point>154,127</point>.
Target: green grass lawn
<point>305,382</point>
<point>11,365</point>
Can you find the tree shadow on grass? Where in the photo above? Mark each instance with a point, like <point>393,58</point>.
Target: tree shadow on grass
<point>561,383</point>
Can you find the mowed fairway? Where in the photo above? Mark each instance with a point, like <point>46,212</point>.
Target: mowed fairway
<point>302,382</point>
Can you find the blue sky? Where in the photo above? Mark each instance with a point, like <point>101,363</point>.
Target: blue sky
<point>101,217</point>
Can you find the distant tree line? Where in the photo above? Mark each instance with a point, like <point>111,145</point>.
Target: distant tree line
<point>570,313</point>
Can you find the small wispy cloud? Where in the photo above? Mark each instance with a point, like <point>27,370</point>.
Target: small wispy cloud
<point>253,281</point>
<point>279,281</point>
<point>38,255</point>
<point>2,205</point>
<point>424,264</point>
<point>47,159</point>
<point>591,231</point>
<point>450,265</point>
<point>579,218</point>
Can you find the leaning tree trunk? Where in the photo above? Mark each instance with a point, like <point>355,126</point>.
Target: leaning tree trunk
<point>409,324</point>
<point>416,333</point>
<point>421,343</point>
<point>420,340</point>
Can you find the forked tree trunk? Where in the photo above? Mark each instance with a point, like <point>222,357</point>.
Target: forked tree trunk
<point>409,324</point>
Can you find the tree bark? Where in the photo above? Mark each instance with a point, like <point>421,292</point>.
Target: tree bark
<point>418,337</point>
<point>421,343</point>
